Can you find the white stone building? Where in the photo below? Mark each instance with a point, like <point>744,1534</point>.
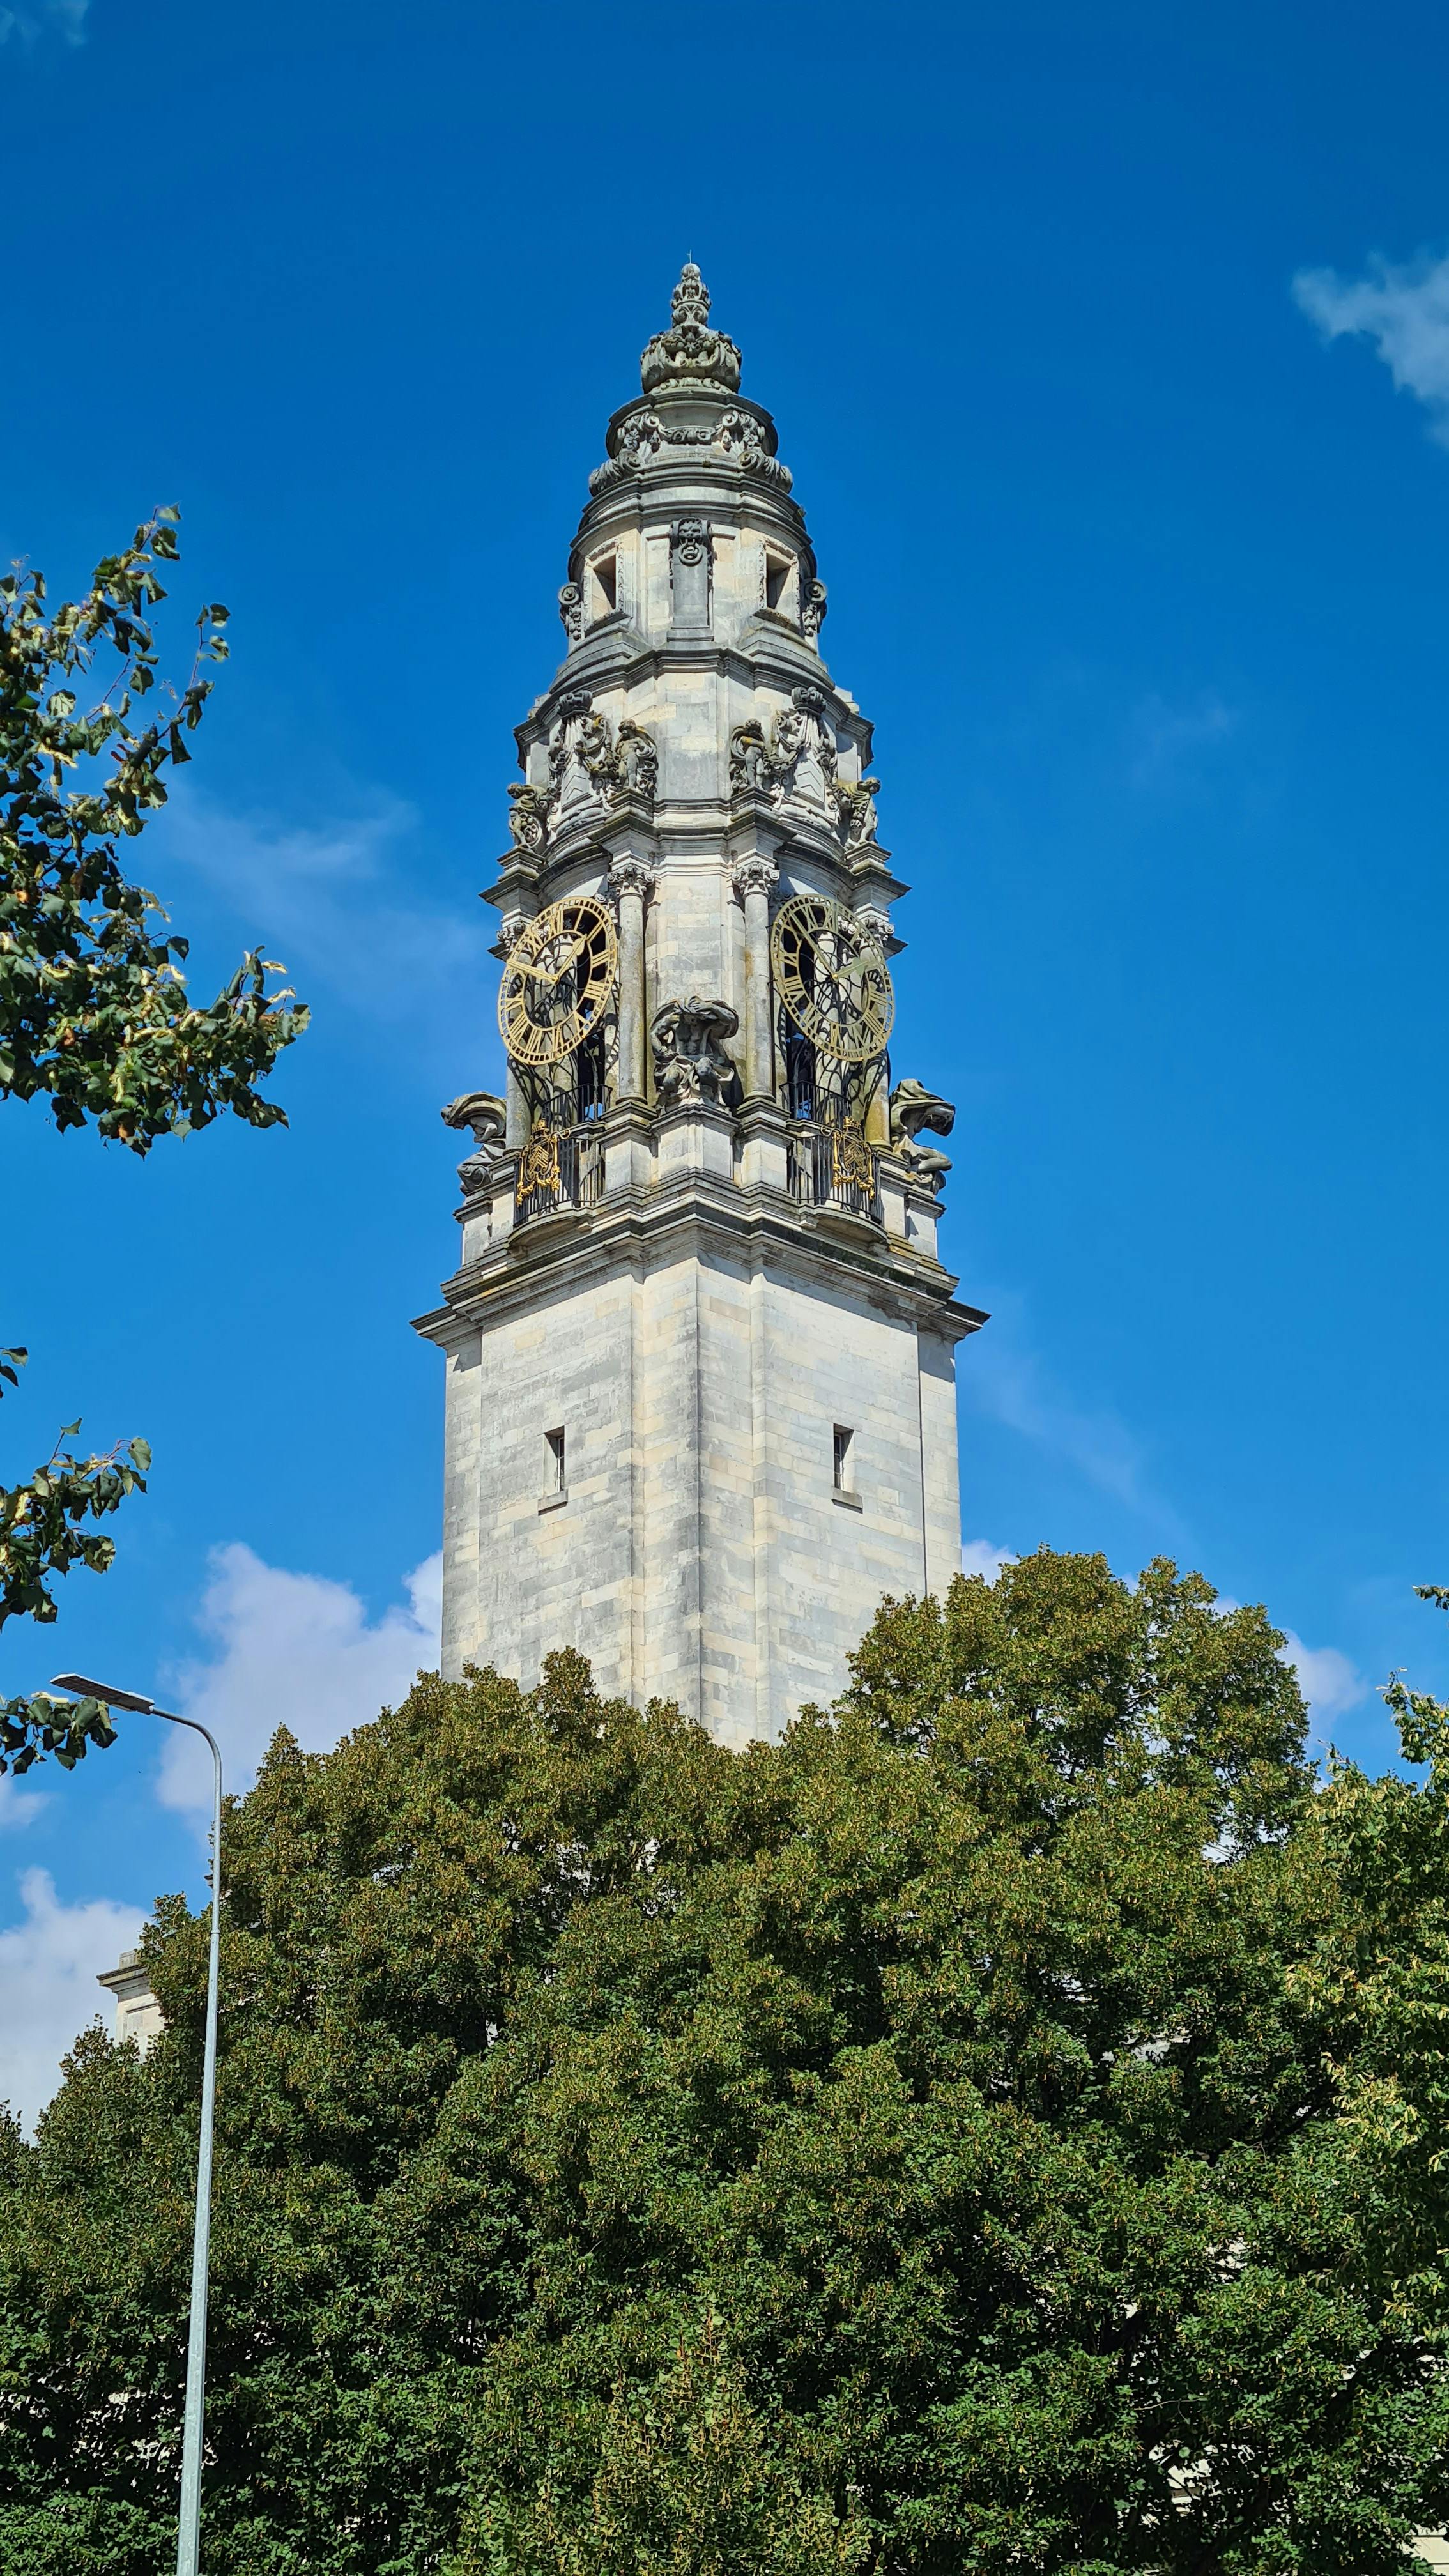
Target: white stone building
<point>700,1348</point>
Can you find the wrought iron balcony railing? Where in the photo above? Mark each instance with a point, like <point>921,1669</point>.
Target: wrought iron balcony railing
<point>834,1167</point>
<point>559,1167</point>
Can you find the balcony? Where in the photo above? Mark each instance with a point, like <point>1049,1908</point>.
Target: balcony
<point>559,1168</point>
<point>834,1167</point>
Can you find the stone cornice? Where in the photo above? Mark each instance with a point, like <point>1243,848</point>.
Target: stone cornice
<point>635,1225</point>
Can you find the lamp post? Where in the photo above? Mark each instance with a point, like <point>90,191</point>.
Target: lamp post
<point>188,2535</point>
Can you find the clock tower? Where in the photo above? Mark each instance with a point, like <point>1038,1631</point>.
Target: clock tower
<point>700,1349</point>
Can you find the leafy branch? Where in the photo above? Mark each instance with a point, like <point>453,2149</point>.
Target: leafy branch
<point>94,1013</point>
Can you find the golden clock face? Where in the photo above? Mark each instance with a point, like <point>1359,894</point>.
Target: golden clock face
<point>832,977</point>
<point>559,975</point>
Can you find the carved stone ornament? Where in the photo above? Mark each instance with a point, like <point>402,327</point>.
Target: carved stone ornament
<point>632,876</point>
<point>913,1108</point>
<point>855,811</point>
<point>571,610</point>
<point>689,1061</point>
<point>528,818</point>
<point>812,608</point>
<point>613,765</point>
<point>690,348</point>
<point>689,541</point>
<point>738,435</point>
<point>770,763</point>
<point>485,1114</point>
<point>755,876</point>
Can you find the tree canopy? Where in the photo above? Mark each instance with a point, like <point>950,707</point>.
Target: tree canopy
<point>997,2126</point>
<point>95,1019</point>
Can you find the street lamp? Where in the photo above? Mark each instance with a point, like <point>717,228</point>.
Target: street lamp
<point>188,2536</point>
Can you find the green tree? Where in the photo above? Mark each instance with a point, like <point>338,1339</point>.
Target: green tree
<point>994,2127</point>
<point>95,1020</point>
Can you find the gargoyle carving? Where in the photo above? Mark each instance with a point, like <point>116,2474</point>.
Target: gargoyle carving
<point>689,1060</point>
<point>913,1108</point>
<point>485,1114</point>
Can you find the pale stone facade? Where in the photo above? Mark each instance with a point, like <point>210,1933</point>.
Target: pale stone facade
<point>700,1348</point>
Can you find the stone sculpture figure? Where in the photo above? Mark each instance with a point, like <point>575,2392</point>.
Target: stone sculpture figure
<point>855,811</point>
<point>913,1108</point>
<point>486,1115</point>
<point>528,814</point>
<point>689,1061</point>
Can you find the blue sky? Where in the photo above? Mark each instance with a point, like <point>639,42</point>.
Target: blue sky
<point>1136,552</point>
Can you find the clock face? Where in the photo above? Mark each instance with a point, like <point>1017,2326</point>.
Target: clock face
<point>559,975</point>
<point>832,978</point>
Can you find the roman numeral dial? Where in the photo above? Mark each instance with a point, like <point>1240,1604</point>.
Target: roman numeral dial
<point>831,975</point>
<point>558,979</point>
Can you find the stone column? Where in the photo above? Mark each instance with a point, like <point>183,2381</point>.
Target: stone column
<point>516,1122</point>
<point>753,881</point>
<point>632,883</point>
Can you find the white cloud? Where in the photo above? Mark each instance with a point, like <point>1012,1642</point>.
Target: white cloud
<point>332,901</point>
<point>295,1650</point>
<point>1165,740</point>
<point>1326,1678</point>
<point>1404,311</point>
<point>49,1963</point>
<point>978,1556</point>
<point>1328,1681</point>
<point>19,1805</point>
<point>63,18</point>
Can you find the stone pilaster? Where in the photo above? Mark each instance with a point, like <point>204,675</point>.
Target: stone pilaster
<point>754,881</point>
<point>632,882</point>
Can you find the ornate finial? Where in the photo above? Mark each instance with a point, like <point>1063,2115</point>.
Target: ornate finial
<point>689,349</point>
<point>690,300</point>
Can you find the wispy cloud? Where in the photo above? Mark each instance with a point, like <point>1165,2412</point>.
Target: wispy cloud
<point>63,18</point>
<point>20,1804</point>
<point>49,1963</point>
<point>1166,742</point>
<point>978,1556</point>
<point>295,1650</point>
<point>333,899</point>
<point>1009,1384</point>
<point>1404,311</point>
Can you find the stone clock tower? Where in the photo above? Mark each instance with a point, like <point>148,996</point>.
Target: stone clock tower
<point>700,1349</point>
